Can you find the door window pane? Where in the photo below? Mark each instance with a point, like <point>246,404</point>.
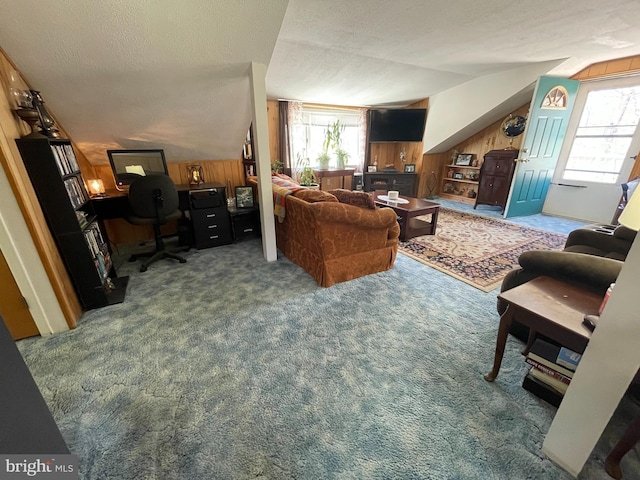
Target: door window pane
<point>603,137</point>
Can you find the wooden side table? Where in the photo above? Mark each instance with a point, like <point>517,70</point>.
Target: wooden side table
<point>553,308</point>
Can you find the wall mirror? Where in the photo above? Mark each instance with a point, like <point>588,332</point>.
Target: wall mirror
<point>513,125</point>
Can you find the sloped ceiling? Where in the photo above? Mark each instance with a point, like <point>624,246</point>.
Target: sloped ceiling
<point>173,75</point>
<point>144,74</point>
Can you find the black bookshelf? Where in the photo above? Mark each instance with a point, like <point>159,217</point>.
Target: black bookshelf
<point>61,191</point>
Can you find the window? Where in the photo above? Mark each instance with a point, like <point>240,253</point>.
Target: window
<point>604,134</point>
<point>308,127</point>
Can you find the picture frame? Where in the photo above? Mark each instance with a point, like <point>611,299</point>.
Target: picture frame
<point>244,197</point>
<point>458,176</point>
<point>410,168</point>
<point>372,168</point>
<point>464,159</point>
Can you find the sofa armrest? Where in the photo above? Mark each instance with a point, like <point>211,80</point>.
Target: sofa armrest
<point>618,240</point>
<point>596,273</point>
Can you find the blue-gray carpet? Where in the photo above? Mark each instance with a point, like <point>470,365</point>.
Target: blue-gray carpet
<point>229,367</point>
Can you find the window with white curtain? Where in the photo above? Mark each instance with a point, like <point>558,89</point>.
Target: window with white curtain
<point>308,126</point>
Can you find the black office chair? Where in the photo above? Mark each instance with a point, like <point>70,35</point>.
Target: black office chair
<point>153,200</point>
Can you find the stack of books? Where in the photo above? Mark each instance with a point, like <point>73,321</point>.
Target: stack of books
<point>552,369</point>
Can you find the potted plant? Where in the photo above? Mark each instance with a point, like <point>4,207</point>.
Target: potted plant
<point>308,178</point>
<point>276,166</point>
<point>324,158</point>
<point>304,172</point>
<point>336,143</point>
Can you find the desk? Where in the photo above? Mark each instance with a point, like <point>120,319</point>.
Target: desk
<point>333,178</point>
<point>115,205</point>
<point>553,308</point>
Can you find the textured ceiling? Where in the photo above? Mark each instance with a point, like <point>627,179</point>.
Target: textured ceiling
<point>173,75</point>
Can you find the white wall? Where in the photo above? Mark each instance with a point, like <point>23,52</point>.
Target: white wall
<point>607,367</point>
<point>457,113</point>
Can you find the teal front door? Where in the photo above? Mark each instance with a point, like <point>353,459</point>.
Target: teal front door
<point>549,115</point>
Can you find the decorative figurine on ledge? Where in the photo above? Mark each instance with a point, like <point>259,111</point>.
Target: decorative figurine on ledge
<point>30,108</point>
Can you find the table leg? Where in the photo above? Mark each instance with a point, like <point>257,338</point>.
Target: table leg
<point>501,341</point>
<point>626,443</point>
<point>434,220</point>
<point>530,339</point>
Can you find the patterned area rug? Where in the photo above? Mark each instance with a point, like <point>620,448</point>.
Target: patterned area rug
<point>478,250</point>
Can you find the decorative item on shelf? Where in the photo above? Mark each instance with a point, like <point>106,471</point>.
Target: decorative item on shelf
<point>432,181</point>
<point>450,173</point>
<point>472,176</point>
<point>389,167</point>
<point>247,151</point>
<point>409,168</point>
<point>464,159</point>
<point>447,188</point>
<point>372,168</point>
<point>96,188</point>
<point>195,174</point>
<point>244,197</point>
<point>458,175</point>
<point>513,126</point>
<point>454,155</point>
<point>472,194</point>
<point>231,201</point>
<point>47,124</point>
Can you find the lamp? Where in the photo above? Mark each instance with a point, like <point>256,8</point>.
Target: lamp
<point>630,216</point>
<point>96,188</point>
<point>195,174</point>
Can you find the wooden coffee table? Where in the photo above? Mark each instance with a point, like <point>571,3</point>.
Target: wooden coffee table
<point>407,209</point>
<point>550,307</point>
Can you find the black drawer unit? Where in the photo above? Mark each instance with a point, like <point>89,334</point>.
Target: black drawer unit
<point>210,218</point>
<point>245,222</point>
<point>405,183</point>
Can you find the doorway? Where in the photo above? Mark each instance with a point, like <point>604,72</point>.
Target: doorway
<point>13,307</point>
<point>601,148</point>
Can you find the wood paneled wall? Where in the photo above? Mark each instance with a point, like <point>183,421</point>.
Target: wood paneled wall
<point>490,138</point>
<point>610,68</point>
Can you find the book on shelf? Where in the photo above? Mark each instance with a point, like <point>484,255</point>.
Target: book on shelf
<point>549,380</point>
<point>546,353</point>
<point>541,390</point>
<point>548,371</point>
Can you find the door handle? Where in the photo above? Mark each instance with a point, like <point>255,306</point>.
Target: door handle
<point>521,160</point>
<point>568,185</point>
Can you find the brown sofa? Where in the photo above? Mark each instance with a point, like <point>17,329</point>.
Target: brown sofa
<point>336,241</point>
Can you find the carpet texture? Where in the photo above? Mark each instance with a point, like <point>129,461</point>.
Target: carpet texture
<point>230,367</point>
<point>478,250</point>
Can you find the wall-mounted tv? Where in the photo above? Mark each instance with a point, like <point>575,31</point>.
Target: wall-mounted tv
<point>128,165</point>
<point>397,124</point>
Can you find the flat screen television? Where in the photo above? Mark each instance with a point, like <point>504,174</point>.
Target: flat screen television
<point>128,165</point>
<point>397,124</point>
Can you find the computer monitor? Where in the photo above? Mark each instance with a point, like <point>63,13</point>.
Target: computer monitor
<point>128,165</point>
